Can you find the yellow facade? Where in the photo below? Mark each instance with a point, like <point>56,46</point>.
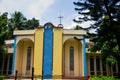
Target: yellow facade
<point>38,52</point>
<point>67,48</point>
<point>57,53</point>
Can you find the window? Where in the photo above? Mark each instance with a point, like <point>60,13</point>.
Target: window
<point>28,58</point>
<point>98,65</point>
<point>71,58</point>
<point>91,65</point>
<point>48,25</point>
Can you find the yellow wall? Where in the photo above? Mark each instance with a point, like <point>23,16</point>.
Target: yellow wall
<point>38,52</point>
<point>57,52</point>
<point>80,59</point>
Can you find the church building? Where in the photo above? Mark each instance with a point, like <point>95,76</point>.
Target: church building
<point>55,52</point>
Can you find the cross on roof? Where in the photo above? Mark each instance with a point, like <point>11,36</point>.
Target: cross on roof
<point>60,17</point>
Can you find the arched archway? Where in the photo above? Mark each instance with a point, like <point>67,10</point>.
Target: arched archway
<point>72,58</point>
<point>24,56</point>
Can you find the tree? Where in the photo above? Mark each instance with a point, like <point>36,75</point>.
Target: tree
<point>15,22</point>
<point>3,31</point>
<point>106,14</point>
<point>32,23</point>
<point>19,22</point>
<point>78,27</point>
<point>111,61</point>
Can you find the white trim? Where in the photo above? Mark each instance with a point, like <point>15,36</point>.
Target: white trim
<point>74,32</point>
<point>24,32</point>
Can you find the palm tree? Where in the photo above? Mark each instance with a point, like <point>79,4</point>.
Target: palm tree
<point>17,20</point>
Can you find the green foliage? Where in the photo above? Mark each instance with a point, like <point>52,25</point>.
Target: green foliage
<point>106,15</point>
<point>111,61</point>
<point>2,77</point>
<point>32,23</point>
<point>102,78</point>
<point>78,27</point>
<point>3,31</point>
<point>17,21</point>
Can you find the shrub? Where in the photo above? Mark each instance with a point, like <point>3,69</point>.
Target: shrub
<point>102,78</point>
<point>2,77</point>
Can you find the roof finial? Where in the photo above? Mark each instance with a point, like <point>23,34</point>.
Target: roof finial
<point>60,17</point>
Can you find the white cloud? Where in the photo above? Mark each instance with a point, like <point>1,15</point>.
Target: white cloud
<point>30,8</point>
<point>71,26</point>
<point>84,24</point>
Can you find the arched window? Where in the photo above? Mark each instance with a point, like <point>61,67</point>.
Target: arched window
<point>71,58</point>
<point>29,51</point>
<point>48,25</point>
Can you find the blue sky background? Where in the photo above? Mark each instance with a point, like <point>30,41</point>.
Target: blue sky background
<point>43,10</point>
<point>63,7</point>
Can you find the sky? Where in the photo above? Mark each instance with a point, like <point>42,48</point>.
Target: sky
<point>44,10</point>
